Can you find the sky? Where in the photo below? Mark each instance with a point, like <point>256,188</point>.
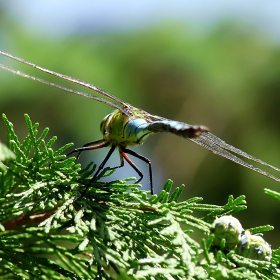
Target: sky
<point>58,17</point>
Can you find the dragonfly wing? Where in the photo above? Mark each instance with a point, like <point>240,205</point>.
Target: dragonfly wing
<point>99,99</point>
<point>219,147</point>
<point>115,101</point>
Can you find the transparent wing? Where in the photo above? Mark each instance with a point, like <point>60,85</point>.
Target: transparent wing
<point>219,147</point>
<point>117,103</point>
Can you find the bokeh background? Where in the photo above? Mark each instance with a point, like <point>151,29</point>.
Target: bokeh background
<point>215,63</point>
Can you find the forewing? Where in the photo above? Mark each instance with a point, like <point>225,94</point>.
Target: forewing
<point>115,102</point>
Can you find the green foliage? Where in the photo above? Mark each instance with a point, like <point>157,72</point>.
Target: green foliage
<point>115,232</point>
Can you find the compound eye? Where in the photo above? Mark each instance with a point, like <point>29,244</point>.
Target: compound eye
<point>103,124</point>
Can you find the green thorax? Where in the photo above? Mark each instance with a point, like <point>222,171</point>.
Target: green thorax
<point>118,129</point>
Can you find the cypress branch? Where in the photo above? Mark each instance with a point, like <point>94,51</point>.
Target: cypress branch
<point>116,231</point>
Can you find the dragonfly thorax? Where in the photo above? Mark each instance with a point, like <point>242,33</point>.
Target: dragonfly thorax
<point>118,129</point>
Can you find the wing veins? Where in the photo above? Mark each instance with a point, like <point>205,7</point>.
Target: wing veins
<point>212,138</point>
<point>67,78</point>
<point>217,146</point>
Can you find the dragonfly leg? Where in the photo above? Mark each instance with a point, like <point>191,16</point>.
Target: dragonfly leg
<point>124,153</point>
<point>118,166</point>
<point>100,167</point>
<point>89,146</point>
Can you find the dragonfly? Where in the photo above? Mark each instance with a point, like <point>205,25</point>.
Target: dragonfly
<point>130,126</point>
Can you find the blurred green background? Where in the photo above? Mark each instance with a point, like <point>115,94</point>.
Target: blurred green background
<point>226,78</point>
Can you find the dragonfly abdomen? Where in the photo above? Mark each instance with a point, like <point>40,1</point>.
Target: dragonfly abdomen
<point>178,128</point>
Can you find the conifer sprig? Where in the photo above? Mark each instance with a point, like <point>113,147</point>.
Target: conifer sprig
<point>116,231</point>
